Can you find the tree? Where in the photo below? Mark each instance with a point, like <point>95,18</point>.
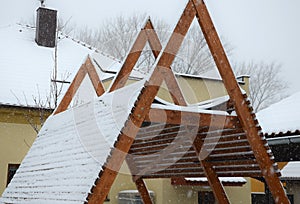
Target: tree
<point>266,86</point>
<point>116,36</point>
<point>194,55</point>
<point>56,85</point>
<point>43,106</point>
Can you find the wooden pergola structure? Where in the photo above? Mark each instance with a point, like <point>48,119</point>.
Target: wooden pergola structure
<point>185,143</point>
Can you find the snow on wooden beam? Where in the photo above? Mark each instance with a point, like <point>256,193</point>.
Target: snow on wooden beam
<point>202,181</point>
<point>177,117</point>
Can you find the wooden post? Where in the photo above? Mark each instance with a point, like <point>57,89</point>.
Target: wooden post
<point>241,107</point>
<point>140,184</point>
<point>212,177</point>
<point>214,182</point>
<point>142,188</point>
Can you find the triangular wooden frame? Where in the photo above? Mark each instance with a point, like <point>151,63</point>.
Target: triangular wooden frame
<point>147,34</point>
<point>194,8</point>
<point>89,69</point>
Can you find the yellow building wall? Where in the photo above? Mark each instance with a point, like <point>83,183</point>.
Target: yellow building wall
<point>195,90</point>
<point>167,193</point>
<point>16,138</point>
<point>15,141</point>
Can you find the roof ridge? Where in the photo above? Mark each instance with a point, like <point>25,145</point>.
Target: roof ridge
<point>80,42</point>
<point>89,46</point>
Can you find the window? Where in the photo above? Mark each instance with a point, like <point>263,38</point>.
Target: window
<point>12,168</point>
<point>206,197</point>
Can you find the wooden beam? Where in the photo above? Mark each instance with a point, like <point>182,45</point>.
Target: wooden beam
<point>214,182</point>
<point>177,117</point>
<point>87,68</point>
<point>142,188</point>
<point>92,73</point>
<point>111,169</point>
<point>169,78</point>
<point>148,34</point>
<point>140,184</point>
<point>211,175</point>
<point>128,65</point>
<point>242,109</point>
<point>199,174</point>
<point>72,90</point>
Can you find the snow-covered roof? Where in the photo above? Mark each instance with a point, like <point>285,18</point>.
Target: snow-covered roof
<point>291,171</point>
<point>281,117</point>
<point>212,74</point>
<point>26,68</point>
<point>222,179</point>
<point>70,151</point>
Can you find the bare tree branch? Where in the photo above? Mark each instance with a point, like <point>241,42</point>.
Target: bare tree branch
<point>266,85</point>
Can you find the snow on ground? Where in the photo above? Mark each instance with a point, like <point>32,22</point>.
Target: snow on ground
<point>282,116</point>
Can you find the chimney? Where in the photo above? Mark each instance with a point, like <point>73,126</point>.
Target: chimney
<point>46,23</point>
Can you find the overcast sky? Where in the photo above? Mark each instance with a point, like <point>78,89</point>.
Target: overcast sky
<point>258,30</point>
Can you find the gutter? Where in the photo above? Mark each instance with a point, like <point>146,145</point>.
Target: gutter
<point>284,140</point>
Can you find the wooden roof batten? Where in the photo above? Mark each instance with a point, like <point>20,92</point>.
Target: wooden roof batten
<point>234,149</point>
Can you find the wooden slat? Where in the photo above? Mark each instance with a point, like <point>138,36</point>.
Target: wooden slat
<point>156,143</point>
<point>226,174</point>
<point>192,168</point>
<point>234,162</point>
<point>231,150</point>
<point>157,131</point>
